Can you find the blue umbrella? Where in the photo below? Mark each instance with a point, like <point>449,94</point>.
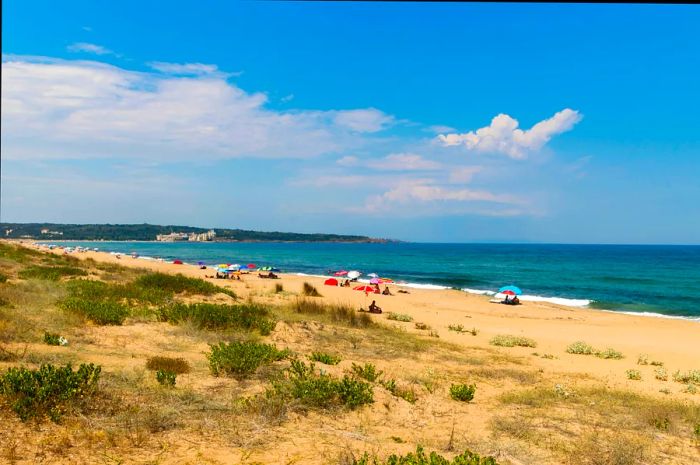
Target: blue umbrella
<point>200,263</point>
<point>514,289</point>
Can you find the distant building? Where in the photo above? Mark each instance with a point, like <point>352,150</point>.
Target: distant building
<point>46,231</point>
<point>181,236</point>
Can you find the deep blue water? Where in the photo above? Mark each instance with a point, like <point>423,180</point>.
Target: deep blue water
<point>657,279</point>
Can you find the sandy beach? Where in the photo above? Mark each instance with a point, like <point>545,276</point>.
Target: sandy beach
<point>676,342</point>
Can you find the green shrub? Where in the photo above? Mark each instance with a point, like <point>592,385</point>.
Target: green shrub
<point>692,376</point>
<point>325,358</point>
<point>174,365</point>
<point>166,378</point>
<point>322,390</point>
<point>242,359</point>
<point>216,316</point>
<point>422,326</point>
<point>580,348</point>
<point>354,393</point>
<point>473,331</point>
<point>506,340</point>
<point>50,390</point>
<point>696,432</point>
<point>409,395</point>
<point>456,328</point>
<point>656,363</point>
<point>50,273</point>
<point>100,312</point>
<point>634,375</point>
<point>3,278</point>
<point>180,284</point>
<point>643,359</point>
<point>609,354</point>
<point>420,458</point>
<point>54,339</point>
<point>462,392</point>
<point>399,317</point>
<point>309,290</point>
<point>661,374</point>
<point>367,371</point>
<point>279,288</point>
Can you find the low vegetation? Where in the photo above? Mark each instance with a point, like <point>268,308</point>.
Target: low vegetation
<point>583,348</point>
<point>279,288</point>
<point>458,328</point>
<point>48,391</point>
<point>422,326</point>
<point>367,371</point>
<point>340,314</point>
<point>407,394</point>
<point>399,317</point>
<point>506,340</point>
<point>634,375</point>
<point>463,392</point>
<point>54,339</point>
<point>321,390</point>
<point>166,378</point>
<point>242,359</point>
<point>310,291</point>
<point>174,365</point>
<point>248,316</point>
<point>692,377</point>
<point>180,284</point>
<point>325,358</point>
<point>101,313</point>
<point>420,458</point>
<point>51,273</point>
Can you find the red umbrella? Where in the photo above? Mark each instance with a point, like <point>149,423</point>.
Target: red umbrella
<point>251,265</point>
<point>508,292</point>
<point>340,273</point>
<point>365,289</point>
<point>177,262</point>
<point>331,282</point>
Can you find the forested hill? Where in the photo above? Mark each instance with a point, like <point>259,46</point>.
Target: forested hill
<point>148,232</point>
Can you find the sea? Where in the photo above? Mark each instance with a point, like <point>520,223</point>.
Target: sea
<point>653,280</point>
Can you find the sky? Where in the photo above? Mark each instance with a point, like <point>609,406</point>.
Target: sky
<point>414,121</point>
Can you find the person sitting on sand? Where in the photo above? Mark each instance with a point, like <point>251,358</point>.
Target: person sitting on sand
<point>515,301</point>
<point>386,291</point>
<point>507,300</point>
<point>373,308</point>
<point>376,288</point>
<point>272,275</point>
<point>401,291</point>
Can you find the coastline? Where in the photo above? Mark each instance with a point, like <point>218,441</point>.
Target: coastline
<point>554,327</point>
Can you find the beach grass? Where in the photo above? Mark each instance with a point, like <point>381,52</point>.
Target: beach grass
<point>507,340</point>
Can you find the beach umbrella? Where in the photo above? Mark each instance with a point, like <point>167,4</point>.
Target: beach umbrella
<point>177,262</point>
<point>331,282</point>
<point>364,288</point>
<point>373,275</point>
<point>354,274</point>
<point>200,263</point>
<point>340,273</point>
<point>510,290</point>
<point>251,265</point>
<point>375,281</point>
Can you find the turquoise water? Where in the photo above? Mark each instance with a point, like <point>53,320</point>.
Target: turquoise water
<point>642,279</point>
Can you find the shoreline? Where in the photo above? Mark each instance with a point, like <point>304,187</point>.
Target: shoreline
<point>566,302</point>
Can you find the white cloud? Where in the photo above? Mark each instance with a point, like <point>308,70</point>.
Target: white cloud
<point>504,136</point>
<point>287,98</point>
<point>348,160</point>
<point>418,191</point>
<point>85,109</point>
<point>188,69</point>
<point>463,174</point>
<point>438,128</point>
<point>403,162</point>
<point>85,47</point>
<point>364,120</point>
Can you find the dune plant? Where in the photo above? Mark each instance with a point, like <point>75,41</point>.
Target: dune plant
<point>422,326</point>
<point>309,290</point>
<point>50,273</point>
<point>174,365</point>
<point>180,284</point>
<point>692,376</point>
<point>609,353</point>
<point>506,340</point>
<point>661,374</point>
<point>367,371</point>
<point>335,313</point>
<point>166,378</point>
<point>462,392</point>
<point>3,278</point>
<point>279,288</point>
<point>580,348</point>
<point>247,316</point>
<point>50,390</point>
<point>399,317</point>
<point>54,339</point>
<point>242,359</point>
<point>325,358</point>
<point>457,328</point>
<point>106,312</point>
<point>634,375</point>
<point>420,458</point>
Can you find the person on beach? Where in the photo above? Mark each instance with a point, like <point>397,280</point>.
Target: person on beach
<point>373,308</point>
<point>507,301</point>
<point>386,291</point>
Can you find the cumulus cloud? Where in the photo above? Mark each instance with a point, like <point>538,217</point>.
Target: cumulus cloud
<point>363,120</point>
<point>504,136</point>
<point>86,109</point>
<point>463,174</point>
<point>348,160</point>
<point>403,162</point>
<point>188,69</point>
<point>84,47</point>
<point>421,192</point>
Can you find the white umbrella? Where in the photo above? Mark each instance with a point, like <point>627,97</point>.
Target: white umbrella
<point>373,275</point>
<point>354,274</point>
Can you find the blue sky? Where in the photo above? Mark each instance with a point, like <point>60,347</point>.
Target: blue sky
<point>427,122</point>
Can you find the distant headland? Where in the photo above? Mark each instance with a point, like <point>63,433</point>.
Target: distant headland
<point>168,233</point>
